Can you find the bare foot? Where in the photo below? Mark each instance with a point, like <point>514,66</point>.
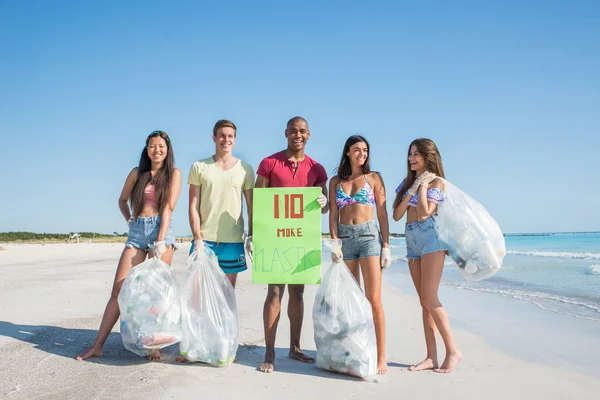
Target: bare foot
<point>155,356</point>
<point>268,365</point>
<point>92,352</point>
<point>180,359</point>
<point>382,367</point>
<point>298,355</point>
<point>426,364</point>
<point>449,363</point>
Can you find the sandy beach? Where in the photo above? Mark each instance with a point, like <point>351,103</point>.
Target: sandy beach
<point>52,298</point>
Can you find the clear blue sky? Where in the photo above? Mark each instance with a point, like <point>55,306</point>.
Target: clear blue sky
<point>509,90</point>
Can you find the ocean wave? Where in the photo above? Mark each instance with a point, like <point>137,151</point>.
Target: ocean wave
<point>557,254</point>
<point>594,270</point>
<point>395,259</point>
<point>546,301</point>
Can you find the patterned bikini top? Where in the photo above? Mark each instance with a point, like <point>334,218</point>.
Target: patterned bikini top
<point>434,195</point>
<point>364,196</point>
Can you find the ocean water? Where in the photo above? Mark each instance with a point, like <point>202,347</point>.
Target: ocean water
<point>557,273</point>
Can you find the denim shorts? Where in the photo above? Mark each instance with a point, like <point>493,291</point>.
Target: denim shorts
<point>422,238</point>
<point>231,256</point>
<point>360,240</point>
<point>143,232</point>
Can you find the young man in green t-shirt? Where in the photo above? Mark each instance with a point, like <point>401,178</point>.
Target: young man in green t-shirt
<point>217,185</point>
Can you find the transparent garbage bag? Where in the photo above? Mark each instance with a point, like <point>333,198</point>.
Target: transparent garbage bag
<point>210,322</point>
<point>343,323</point>
<point>150,308</point>
<point>474,239</point>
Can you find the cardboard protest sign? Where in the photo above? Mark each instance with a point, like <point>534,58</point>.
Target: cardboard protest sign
<point>286,235</point>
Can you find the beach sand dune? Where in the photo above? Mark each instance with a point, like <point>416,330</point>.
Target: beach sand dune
<point>52,298</point>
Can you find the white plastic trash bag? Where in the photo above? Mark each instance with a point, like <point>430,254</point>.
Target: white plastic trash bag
<point>210,322</point>
<point>150,308</point>
<point>343,323</point>
<point>474,239</point>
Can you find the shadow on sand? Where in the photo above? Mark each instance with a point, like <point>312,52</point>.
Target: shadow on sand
<point>252,356</point>
<point>69,342</point>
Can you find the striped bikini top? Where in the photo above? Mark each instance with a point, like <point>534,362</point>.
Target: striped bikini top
<point>364,196</point>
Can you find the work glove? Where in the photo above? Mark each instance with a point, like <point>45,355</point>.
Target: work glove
<point>248,247</point>
<point>199,246</point>
<point>336,254</point>
<point>322,200</point>
<point>386,258</point>
<point>159,249</point>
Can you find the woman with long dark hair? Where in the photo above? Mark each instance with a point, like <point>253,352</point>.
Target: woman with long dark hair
<point>354,194</point>
<point>152,190</point>
<point>418,197</point>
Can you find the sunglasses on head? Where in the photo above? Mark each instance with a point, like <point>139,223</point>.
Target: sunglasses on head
<point>162,134</point>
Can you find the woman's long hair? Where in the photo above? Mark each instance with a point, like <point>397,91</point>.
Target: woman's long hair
<point>433,163</point>
<point>344,170</point>
<point>161,180</point>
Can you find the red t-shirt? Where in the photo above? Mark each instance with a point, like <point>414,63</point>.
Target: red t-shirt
<point>281,172</point>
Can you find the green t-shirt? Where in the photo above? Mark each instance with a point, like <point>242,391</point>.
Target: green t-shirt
<point>221,195</point>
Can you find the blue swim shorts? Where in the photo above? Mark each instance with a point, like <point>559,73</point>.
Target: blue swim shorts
<point>232,258</point>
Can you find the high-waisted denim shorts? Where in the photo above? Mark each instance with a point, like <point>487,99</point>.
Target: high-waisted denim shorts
<point>360,240</point>
<point>422,238</point>
<point>143,232</point>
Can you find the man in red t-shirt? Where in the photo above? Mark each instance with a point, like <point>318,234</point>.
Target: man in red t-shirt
<point>289,168</point>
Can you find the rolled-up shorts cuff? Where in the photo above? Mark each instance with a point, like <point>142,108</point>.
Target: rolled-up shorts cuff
<point>143,232</point>
<point>422,238</point>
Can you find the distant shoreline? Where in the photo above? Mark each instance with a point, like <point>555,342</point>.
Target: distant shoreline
<point>31,237</point>
<point>116,239</point>
<point>553,233</point>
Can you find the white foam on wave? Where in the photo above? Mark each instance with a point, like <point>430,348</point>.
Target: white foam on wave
<point>557,254</point>
<point>399,258</point>
<point>594,270</point>
<point>447,261</point>
<point>545,301</point>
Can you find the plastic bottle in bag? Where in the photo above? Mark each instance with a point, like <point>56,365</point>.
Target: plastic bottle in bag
<point>210,324</point>
<point>150,308</point>
<point>474,239</point>
<point>343,323</point>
